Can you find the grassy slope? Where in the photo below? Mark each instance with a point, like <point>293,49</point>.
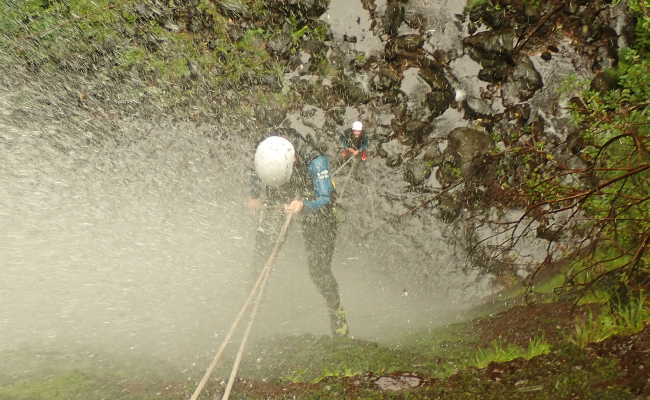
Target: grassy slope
<point>494,357</point>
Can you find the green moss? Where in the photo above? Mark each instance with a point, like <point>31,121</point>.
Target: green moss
<point>77,385</point>
<point>113,38</point>
<point>313,359</point>
<point>65,387</point>
<point>436,352</point>
<point>471,4</point>
<point>550,285</point>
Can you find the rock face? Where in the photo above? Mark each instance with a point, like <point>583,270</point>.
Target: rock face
<point>449,208</point>
<point>467,146</point>
<point>393,17</point>
<point>523,83</point>
<point>403,46</point>
<point>304,9</point>
<point>414,90</point>
<point>428,92</point>
<point>416,172</point>
<point>385,78</point>
<point>494,51</point>
<point>351,92</point>
<point>398,383</point>
<point>442,94</point>
<point>490,45</point>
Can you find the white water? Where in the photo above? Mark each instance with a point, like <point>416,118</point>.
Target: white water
<point>140,245</point>
<point>142,249</point>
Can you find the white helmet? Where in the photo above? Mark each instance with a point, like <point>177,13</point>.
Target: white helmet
<point>357,126</point>
<point>274,159</point>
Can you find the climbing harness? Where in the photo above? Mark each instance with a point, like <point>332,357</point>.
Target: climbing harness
<point>256,292</point>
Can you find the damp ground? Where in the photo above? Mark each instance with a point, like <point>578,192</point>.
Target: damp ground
<point>525,352</point>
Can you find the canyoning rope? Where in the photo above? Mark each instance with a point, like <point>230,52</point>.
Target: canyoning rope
<point>347,177</point>
<point>339,169</point>
<point>267,273</point>
<point>259,284</point>
<point>240,352</point>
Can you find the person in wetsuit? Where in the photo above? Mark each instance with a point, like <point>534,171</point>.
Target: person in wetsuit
<point>354,142</point>
<point>292,174</point>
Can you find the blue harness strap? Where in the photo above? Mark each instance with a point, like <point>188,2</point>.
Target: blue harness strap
<point>319,173</point>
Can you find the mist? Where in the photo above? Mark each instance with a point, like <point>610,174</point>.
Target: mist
<point>130,237</point>
<point>143,248</point>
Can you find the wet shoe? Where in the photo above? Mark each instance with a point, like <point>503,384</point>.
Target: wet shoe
<point>339,323</point>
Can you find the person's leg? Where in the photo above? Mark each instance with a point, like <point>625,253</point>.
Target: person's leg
<point>320,237</point>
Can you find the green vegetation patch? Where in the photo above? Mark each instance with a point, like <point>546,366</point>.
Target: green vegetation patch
<point>178,53</point>
<point>626,319</point>
<point>311,359</point>
<point>598,194</point>
<point>567,372</point>
<point>74,385</point>
<point>37,375</point>
<point>84,386</point>
<point>502,352</point>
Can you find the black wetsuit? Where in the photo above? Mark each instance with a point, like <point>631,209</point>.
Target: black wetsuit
<point>310,182</point>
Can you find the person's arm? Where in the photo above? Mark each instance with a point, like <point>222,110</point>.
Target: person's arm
<point>323,188</point>
<point>364,143</point>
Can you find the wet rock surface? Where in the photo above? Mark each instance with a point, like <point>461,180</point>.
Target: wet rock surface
<point>416,172</point>
<point>467,146</point>
<point>523,82</point>
<point>490,46</point>
<point>398,383</point>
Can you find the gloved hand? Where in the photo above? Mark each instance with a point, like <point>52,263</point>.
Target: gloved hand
<point>294,207</point>
<point>364,155</point>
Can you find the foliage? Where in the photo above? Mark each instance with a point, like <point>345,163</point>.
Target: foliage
<point>489,5</point>
<point>598,193</point>
<point>344,372</point>
<point>180,47</point>
<point>503,352</point>
<point>627,319</point>
<point>642,30</point>
<point>592,331</point>
<point>475,3</point>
